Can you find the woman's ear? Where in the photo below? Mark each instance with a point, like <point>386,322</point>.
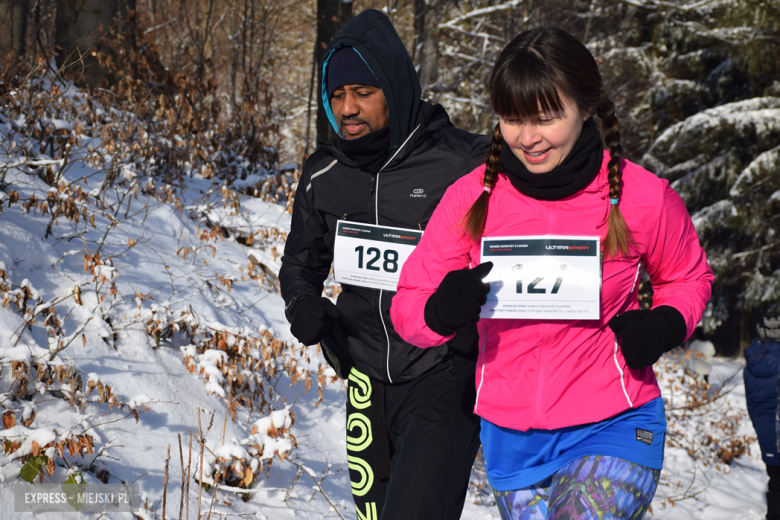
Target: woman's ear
<point>586,114</point>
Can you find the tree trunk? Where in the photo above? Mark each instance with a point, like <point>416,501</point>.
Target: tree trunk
<point>13,24</point>
<point>426,40</point>
<point>331,16</point>
<point>80,28</point>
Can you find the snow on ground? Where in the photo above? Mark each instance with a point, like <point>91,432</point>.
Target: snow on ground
<point>735,495</point>
<point>168,266</point>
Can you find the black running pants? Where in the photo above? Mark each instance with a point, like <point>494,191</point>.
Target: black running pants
<point>410,446</point>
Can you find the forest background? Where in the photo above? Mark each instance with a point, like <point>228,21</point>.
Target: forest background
<point>696,83</point>
<point>159,143</point>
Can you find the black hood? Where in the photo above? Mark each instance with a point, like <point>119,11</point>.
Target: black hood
<point>373,36</point>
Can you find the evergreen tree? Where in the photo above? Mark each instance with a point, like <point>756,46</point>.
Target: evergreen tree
<point>697,86</point>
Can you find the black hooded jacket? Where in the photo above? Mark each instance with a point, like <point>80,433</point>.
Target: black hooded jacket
<point>427,154</point>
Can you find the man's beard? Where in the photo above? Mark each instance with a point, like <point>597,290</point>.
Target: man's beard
<point>344,120</point>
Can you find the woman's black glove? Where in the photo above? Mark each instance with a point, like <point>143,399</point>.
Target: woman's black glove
<point>310,318</point>
<point>646,334</point>
<point>458,300</point>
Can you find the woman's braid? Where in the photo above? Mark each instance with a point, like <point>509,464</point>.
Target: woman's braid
<point>618,235</point>
<point>475,218</point>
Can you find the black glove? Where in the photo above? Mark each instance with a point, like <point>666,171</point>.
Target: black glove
<point>646,334</point>
<point>310,318</point>
<point>466,342</point>
<point>458,300</point>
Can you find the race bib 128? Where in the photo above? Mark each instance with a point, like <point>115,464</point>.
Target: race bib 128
<point>372,256</point>
<point>543,277</point>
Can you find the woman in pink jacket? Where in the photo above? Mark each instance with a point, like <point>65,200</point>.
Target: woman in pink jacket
<point>573,424</point>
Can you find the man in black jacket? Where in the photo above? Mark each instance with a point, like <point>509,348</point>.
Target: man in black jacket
<point>362,201</point>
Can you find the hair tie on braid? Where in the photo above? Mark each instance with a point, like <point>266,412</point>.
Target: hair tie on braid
<point>474,220</point>
<point>614,201</point>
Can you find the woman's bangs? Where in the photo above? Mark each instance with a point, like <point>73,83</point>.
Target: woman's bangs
<point>524,91</point>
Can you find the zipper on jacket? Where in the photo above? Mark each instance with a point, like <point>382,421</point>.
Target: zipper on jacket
<point>376,221</point>
<point>540,380</point>
<point>614,354</point>
<point>542,346</point>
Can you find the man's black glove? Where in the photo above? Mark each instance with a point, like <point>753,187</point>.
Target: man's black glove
<point>310,318</point>
<point>458,300</point>
<point>646,334</point>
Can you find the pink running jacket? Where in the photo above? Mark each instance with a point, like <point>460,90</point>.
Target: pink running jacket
<point>550,374</point>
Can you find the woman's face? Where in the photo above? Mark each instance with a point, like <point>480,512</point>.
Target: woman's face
<point>543,141</point>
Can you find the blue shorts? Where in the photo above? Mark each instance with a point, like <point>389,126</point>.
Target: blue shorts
<point>517,459</point>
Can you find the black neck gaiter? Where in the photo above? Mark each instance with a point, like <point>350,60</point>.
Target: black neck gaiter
<point>576,171</point>
<point>369,152</point>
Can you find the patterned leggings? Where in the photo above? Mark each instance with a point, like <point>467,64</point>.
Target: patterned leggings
<point>589,488</point>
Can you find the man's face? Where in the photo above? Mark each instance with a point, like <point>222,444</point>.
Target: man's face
<point>358,109</point>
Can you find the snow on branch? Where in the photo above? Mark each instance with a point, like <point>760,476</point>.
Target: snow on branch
<point>480,12</point>
<point>653,5</point>
<point>757,172</point>
<point>730,35</point>
<point>761,114</point>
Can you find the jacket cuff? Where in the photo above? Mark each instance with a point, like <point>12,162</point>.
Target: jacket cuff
<point>432,319</point>
<point>290,308</point>
<point>678,329</point>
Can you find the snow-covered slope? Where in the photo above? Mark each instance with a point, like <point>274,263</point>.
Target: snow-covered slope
<point>127,330</point>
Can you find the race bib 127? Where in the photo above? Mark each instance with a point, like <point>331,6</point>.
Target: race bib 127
<point>372,256</point>
<point>543,277</point>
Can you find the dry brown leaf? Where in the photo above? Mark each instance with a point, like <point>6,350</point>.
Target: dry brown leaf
<point>36,448</point>
<point>72,446</point>
<point>9,419</point>
<point>29,421</point>
<point>248,478</point>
